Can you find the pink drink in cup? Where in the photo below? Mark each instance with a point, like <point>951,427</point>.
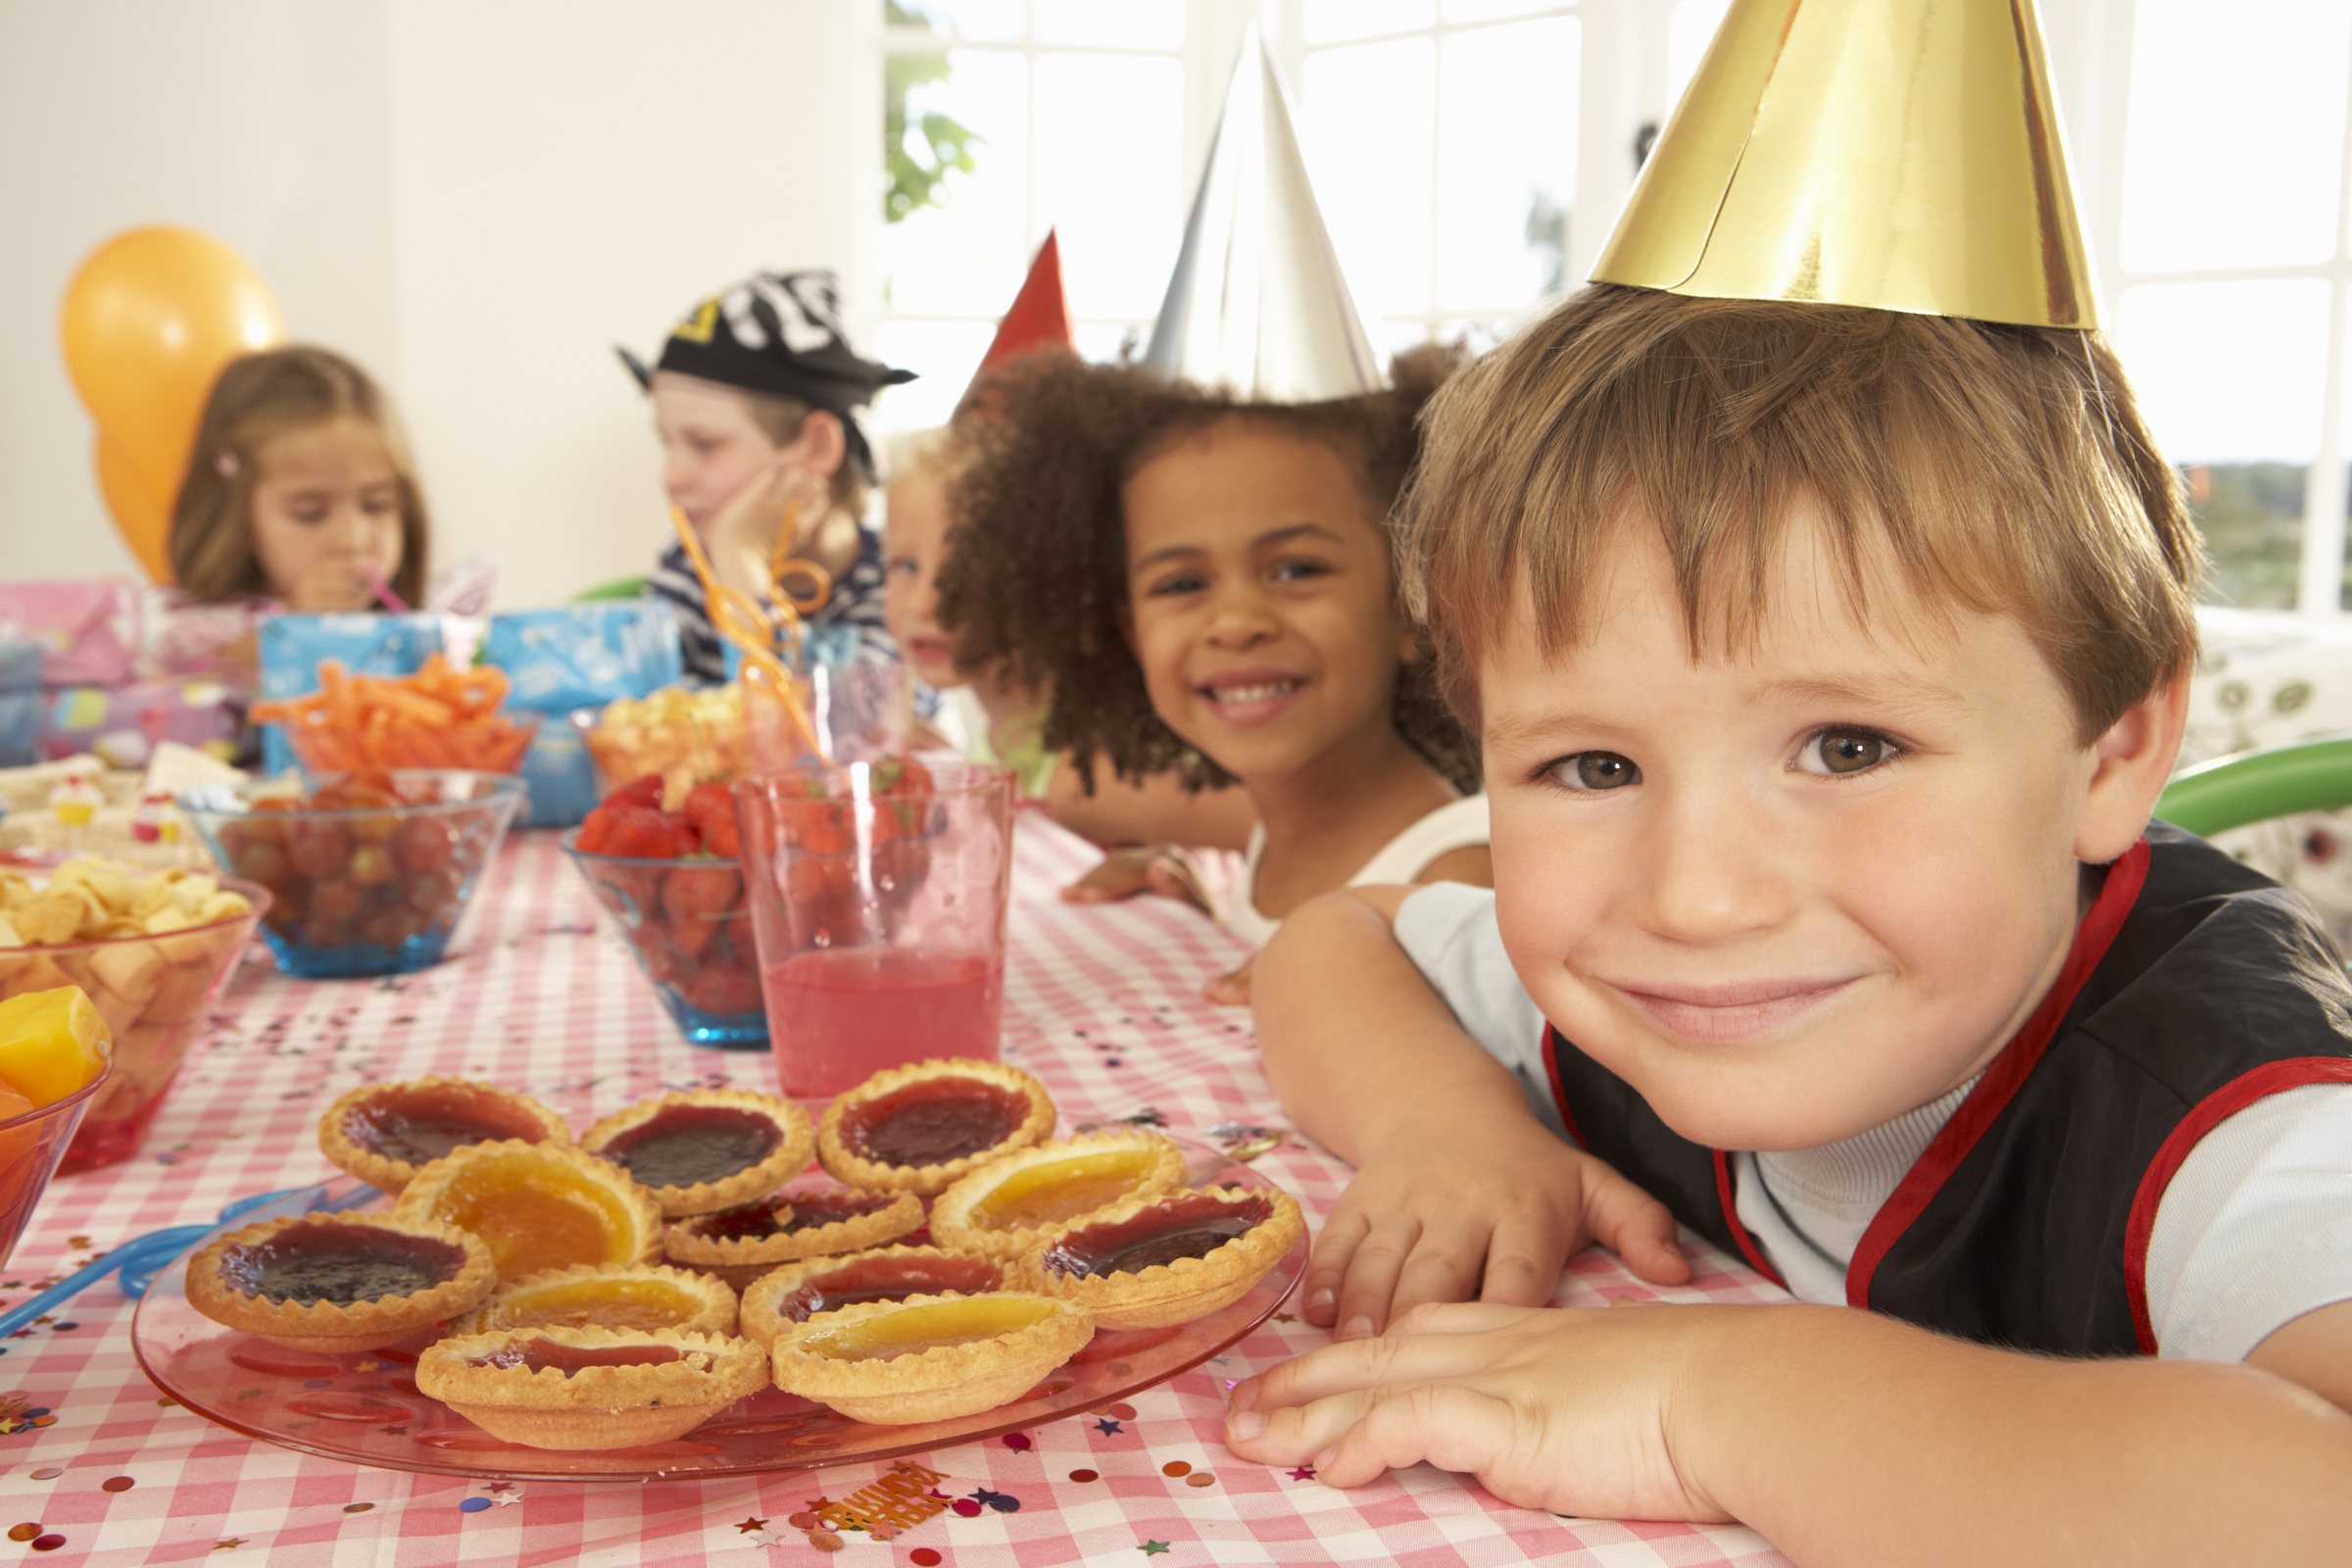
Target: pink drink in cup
<point>878,894</point>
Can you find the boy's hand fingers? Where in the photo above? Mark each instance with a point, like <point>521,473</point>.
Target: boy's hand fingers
<point>1327,1266</point>
<point>1372,1275</point>
<point>1359,1366</point>
<point>1445,1424</point>
<point>1636,1226</point>
<point>1524,1259</point>
<point>1229,990</point>
<point>1443,1267</point>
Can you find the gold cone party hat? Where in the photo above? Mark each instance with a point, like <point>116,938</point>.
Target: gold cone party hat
<point>1903,154</point>
<point>1256,301</point>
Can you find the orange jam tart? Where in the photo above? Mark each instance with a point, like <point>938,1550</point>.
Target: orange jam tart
<point>538,1206</point>
<point>338,1282</point>
<point>705,1148</point>
<point>386,1133</point>
<point>1152,1261</point>
<point>739,1245</point>
<point>917,1129</point>
<point>608,1295</point>
<point>797,1292</point>
<point>927,1358</point>
<point>590,1387</point>
<point>997,1209</point>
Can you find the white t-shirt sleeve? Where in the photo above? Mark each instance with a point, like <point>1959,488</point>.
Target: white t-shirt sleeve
<point>2256,1228</point>
<point>1447,929</point>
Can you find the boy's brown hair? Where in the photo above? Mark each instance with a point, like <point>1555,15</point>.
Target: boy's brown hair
<point>256,397</point>
<point>1035,584</point>
<point>2002,469</point>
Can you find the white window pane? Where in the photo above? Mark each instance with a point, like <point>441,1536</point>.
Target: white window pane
<point>943,355</point>
<point>1328,21</point>
<point>965,253</point>
<point>1489,10</point>
<point>979,20</point>
<point>1506,161</point>
<point>1110,176</point>
<point>2229,371</point>
<point>1370,147</point>
<point>1111,342</point>
<point>1127,23</point>
<point>1690,27</point>
<point>2235,136</point>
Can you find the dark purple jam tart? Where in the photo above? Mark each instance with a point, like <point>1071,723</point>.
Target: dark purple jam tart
<point>384,1134</point>
<point>1157,1261</point>
<point>705,1149</point>
<point>917,1129</point>
<point>337,1282</point>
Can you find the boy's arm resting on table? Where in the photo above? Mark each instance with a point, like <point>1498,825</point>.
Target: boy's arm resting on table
<point>1843,1436</point>
<point>1459,1190</point>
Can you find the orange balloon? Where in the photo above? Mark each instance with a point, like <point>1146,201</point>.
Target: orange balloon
<point>148,321</point>
<point>143,513</point>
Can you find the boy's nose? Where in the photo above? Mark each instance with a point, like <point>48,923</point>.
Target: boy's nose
<point>1714,870</point>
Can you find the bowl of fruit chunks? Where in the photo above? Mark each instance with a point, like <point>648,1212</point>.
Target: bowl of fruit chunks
<point>148,950</point>
<point>673,884</point>
<point>370,871</point>
<point>55,1054</point>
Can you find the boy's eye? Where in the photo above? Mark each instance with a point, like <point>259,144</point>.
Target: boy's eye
<point>1844,751</point>
<point>1594,770</point>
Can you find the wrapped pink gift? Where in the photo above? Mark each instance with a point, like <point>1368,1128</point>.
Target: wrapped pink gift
<point>89,631</point>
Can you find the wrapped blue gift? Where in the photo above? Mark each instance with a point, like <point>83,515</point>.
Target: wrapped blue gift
<point>584,656</point>
<point>580,655</point>
<point>19,699</point>
<point>293,647</point>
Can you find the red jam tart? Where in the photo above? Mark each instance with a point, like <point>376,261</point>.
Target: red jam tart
<point>917,1129</point>
<point>927,1358</point>
<point>705,1149</point>
<point>608,1295</point>
<point>1152,1261</point>
<point>999,1208</point>
<point>739,1245</point>
<point>589,1388</point>
<point>338,1283</point>
<point>538,1206</point>
<point>384,1134</point>
<point>797,1292</point>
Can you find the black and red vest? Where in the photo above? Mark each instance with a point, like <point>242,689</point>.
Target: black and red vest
<point>2194,987</point>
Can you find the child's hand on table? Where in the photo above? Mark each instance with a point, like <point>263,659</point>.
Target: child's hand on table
<point>1158,868</point>
<point>1494,1210</point>
<point>1570,1410</point>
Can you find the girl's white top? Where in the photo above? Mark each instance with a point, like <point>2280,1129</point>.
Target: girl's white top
<point>1456,825</point>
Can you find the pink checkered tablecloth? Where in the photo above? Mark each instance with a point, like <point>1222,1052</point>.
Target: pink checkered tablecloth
<point>1102,1003</point>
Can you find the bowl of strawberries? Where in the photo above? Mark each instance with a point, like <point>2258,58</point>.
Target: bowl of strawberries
<point>671,881</point>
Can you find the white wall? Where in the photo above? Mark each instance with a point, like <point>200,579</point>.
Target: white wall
<point>474,198</point>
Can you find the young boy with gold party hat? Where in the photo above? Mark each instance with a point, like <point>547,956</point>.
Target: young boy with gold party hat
<point>1826,613</point>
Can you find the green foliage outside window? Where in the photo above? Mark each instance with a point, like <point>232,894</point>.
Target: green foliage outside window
<point>921,153</point>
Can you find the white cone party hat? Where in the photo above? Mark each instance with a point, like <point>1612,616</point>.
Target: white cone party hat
<point>1257,302</point>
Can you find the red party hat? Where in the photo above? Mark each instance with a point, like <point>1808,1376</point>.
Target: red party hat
<point>1040,317</point>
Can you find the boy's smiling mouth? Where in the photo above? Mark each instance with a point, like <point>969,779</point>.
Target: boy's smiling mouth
<point>1249,696</point>
<point>1733,1010</point>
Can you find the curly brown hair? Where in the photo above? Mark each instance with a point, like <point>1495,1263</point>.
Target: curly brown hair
<point>1035,584</point>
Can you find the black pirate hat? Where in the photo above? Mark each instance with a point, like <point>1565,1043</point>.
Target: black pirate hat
<point>778,334</point>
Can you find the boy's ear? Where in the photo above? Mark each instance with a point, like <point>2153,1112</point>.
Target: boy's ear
<point>2130,764</point>
<point>826,444</point>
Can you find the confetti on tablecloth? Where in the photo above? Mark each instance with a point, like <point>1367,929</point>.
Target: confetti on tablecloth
<point>1101,1002</point>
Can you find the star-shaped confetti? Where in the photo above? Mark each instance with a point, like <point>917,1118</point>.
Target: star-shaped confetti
<point>507,1499</point>
<point>1109,1428</point>
<point>751,1527</point>
<point>366,1363</point>
<point>230,1544</point>
<point>997,1500</point>
<point>1302,1472</point>
<point>1153,1549</point>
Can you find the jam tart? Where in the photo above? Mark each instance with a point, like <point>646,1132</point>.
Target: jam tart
<point>917,1129</point>
<point>586,1388</point>
<point>339,1282</point>
<point>739,1245</point>
<point>705,1149</point>
<point>999,1208</point>
<point>384,1134</point>
<point>797,1292</point>
<point>928,1357</point>
<point>607,1296</point>
<point>1153,1261</point>
<point>538,1206</point>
